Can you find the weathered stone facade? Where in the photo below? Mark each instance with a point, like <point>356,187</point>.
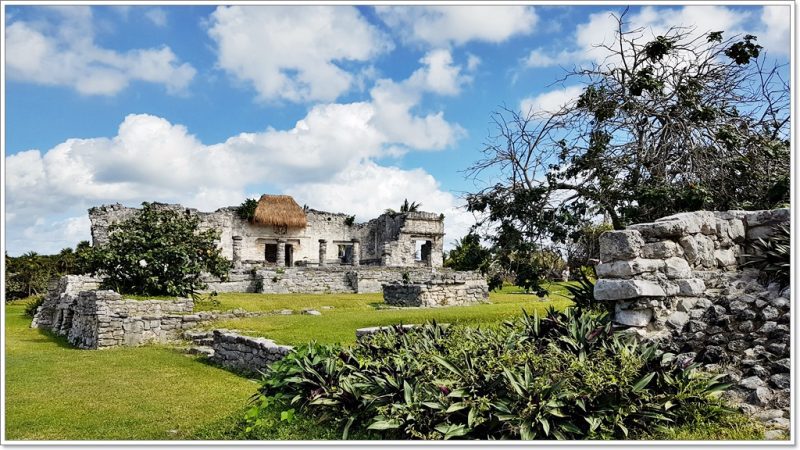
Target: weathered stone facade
<point>680,280</point>
<point>245,354</point>
<point>317,280</point>
<point>96,319</point>
<point>463,288</point>
<point>328,239</point>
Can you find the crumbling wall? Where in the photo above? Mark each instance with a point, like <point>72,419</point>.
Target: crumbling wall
<point>680,280</point>
<point>315,280</point>
<point>465,288</point>
<point>91,318</point>
<point>245,354</point>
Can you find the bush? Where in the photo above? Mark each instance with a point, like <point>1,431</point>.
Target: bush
<point>583,295</point>
<point>159,252</point>
<point>247,210</point>
<point>564,376</point>
<point>34,304</point>
<point>773,256</point>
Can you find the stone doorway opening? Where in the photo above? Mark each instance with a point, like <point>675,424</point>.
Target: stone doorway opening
<point>271,253</point>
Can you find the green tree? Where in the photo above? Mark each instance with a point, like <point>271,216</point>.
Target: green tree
<point>468,254</point>
<point>159,251</point>
<point>681,122</point>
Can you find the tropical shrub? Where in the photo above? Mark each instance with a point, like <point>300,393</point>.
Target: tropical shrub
<point>247,210</point>
<point>772,256</point>
<point>159,251</point>
<point>33,304</point>
<point>562,376</point>
<point>583,294</point>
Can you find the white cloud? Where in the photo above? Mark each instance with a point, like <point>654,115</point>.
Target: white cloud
<point>442,25</point>
<point>291,52</point>
<point>550,101</point>
<point>151,159</point>
<point>774,33</point>
<point>59,50</point>
<point>158,16</point>
<point>377,187</point>
<point>771,27</point>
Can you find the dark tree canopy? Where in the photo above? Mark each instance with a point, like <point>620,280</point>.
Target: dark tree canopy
<point>676,122</point>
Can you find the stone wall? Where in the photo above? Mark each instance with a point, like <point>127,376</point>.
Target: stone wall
<point>680,280</point>
<point>387,240</point>
<point>464,288</point>
<point>319,280</point>
<point>245,354</point>
<point>92,319</point>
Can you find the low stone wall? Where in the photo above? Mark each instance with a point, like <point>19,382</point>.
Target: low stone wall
<point>96,319</point>
<point>316,280</point>
<point>461,289</point>
<point>245,354</point>
<point>679,280</point>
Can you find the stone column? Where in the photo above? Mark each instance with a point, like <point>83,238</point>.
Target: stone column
<point>281,253</point>
<point>323,252</point>
<point>237,251</point>
<point>356,252</point>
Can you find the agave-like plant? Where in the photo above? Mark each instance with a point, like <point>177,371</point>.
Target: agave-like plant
<point>772,256</point>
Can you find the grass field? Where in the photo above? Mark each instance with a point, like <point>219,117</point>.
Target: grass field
<point>54,391</point>
<point>353,311</point>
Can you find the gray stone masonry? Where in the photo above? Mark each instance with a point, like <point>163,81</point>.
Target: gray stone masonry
<point>316,280</point>
<point>463,288</point>
<point>679,280</point>
<point>245,354</point>
<point>96,319</point>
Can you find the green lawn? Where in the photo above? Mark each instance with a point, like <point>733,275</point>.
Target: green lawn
<point>57,392</point>
<point>353,311</point>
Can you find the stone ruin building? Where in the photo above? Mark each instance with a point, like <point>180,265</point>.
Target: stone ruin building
<point>284,234</point>
<point>287,248</point>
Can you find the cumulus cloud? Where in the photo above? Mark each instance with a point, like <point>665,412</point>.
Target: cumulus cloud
<point>59,50</point>
<point>771,27</point>
<point>440,25</point>
<point>551,101</point>
<point>293,52</point>
<point>377,188</point>
<point>150,159</point>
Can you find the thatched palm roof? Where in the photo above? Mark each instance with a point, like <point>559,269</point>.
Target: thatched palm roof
<point>279,210</point>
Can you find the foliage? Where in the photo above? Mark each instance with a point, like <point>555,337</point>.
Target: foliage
<point>159,251</point>
<point>468,254</point>
<point>33,304</point>
<point>247,210</point>
<point>772,256</point>
<point>583,295</point>
<point>562,376</point>
<point>409,207</point>
<point>28,274</point>
<point>584,247</point>
<point>350,220</point>
<point>677,122</point>
<point>405,208</point>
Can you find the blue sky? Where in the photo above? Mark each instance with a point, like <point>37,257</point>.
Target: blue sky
<point>346,108</point>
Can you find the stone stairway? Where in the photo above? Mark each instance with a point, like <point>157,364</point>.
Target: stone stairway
<point>201,342</point>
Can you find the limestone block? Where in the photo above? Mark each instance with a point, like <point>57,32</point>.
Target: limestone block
<point>736,230</point>
<point>628,268</point>
<point>664,229</point>
<point>677,320</point>
<point>620,244</point>
<point>633,317</point>
<point>677,267</point>
<point>694,222</point>
<point>725,258</point>
<point>661,250</point>
<point>606,289</point>
<point>691,287</point>
<point>759,232</point>
<point>767,217</point>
